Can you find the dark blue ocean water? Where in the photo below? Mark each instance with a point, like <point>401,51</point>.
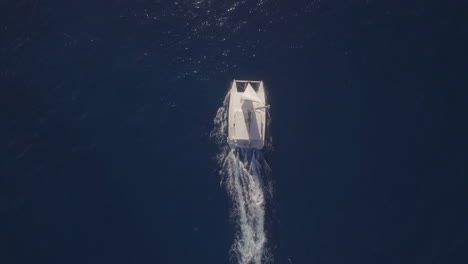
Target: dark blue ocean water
<point>106,109</point>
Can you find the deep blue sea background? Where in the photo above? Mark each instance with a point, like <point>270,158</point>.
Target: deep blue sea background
<point>106,109</point>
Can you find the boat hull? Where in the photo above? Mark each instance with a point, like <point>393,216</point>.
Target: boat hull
<point>246,118</point>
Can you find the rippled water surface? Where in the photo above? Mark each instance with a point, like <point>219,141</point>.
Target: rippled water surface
<point>106,109</point>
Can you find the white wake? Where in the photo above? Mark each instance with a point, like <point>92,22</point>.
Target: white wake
<point>243,174</point>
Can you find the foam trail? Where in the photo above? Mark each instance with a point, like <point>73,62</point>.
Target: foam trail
<point>243,171</point>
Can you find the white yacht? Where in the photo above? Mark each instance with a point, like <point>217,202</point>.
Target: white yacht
<point>247,115</point>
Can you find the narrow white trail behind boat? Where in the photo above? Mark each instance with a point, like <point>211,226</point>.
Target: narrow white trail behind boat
<point>242,170</point>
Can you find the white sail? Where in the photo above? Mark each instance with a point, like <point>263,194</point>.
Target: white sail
<point>250,95</point>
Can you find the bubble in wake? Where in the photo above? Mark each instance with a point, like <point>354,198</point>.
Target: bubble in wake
<point>243,174</point>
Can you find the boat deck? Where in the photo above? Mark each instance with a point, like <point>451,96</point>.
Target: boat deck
<point>246,125</point>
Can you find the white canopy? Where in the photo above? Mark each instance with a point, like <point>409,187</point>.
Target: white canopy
<point>250,95</point>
